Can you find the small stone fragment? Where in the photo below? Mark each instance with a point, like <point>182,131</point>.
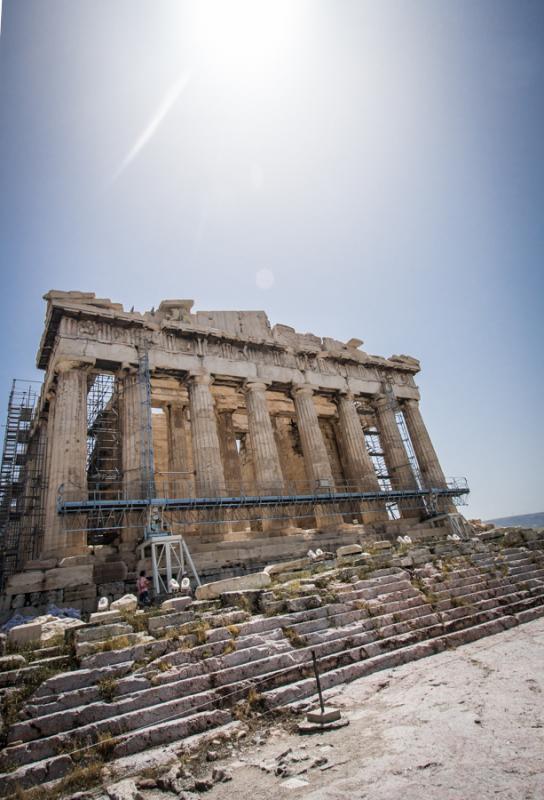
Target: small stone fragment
<point>220,775</point>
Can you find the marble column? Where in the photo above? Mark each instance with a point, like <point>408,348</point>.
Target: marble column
<point>361,472</point>
<point>395,455</point>
<point>268,471</point>
<point>229,452</point>
<point>131,417</point>
<point>266,460</point>
<point>180,458</point>
<point>316,458</point>
<point>131,412</point>
<point>427,459</point>
<point>429,465</point>
<point>67,461</point>
<point>209,476</point>
<point>359,464</point>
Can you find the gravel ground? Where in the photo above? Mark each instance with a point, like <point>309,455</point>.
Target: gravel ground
<point>468,723</point>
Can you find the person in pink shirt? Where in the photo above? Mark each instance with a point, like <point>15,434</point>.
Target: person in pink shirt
<point>143,589</point>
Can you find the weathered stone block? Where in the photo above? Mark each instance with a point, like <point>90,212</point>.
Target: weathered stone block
<point>116,589</point>
<point>26,582</point>
<point>25,634</point>
<point>256,580</point>
<point>41,563</point>
<point>104,617</point>
<point>18,601</point>
<point>246,599</point>
<point>287,566</point>
<point>127,603</point>
<point>349,550</point>
<point>101,632</point>
<point>61,578</point>
<point>76,561</point>
<point>178,618</point>
<point>110,572</point>
<point>87,591</point>
<point>176,603</point>
<point>15,661</point>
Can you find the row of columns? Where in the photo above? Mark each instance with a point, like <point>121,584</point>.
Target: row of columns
<point>67,436</point>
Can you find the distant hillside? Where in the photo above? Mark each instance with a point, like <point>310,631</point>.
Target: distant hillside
<point>523,520</point>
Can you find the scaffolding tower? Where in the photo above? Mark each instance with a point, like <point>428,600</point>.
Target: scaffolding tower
<point>21,480</point>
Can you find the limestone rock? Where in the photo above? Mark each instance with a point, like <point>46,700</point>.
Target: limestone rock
<point>101,632</point>
<point>26,582</point>
<point>15,661</point>
<point>349,550</point>
<point>25,634</point>
<point>287,566</point>
<point>62,577</point>
<point>76,561</point>
<point>105,617</point>
<point>176,603</point>
<point>56,626</point>
<point>124,790</point>
<point>128,602</point>
<point>256,580</point>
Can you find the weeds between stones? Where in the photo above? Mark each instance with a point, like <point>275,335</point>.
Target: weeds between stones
<point>13,702</point>
<point>294,638</point>
<point>107,688</point>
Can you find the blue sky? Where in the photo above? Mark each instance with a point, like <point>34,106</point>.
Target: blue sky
<point>383,160</point>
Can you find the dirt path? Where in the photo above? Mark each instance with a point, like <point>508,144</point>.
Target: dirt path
<point>468,723</point>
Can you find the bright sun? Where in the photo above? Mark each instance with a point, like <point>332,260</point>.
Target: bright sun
<point>236,36</point>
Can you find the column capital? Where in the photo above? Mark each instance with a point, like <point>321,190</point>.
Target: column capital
<point>381,401</point>
<point>200,378</point>
<point>257,385</point>
<point>69,365</point>
<point>302,389</point>
<point>345,394</point>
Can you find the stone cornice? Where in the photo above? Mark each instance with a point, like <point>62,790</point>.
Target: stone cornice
<point>282,339</point>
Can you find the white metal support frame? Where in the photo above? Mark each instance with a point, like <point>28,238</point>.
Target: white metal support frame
<point>169,554</point>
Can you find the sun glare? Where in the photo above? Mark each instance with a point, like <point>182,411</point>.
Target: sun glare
<point>245,36</point>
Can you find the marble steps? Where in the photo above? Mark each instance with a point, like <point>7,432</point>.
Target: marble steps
<point>336,665</point>
<point>340,633</point>
<point>305,688</point>
<point>124,708</point>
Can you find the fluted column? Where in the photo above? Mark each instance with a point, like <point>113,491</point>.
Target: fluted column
<point>131,413</point>
<point>427,459</point>
<point>429,465</point>
<point>134,443</point>
<point>229,452</point>
<point>209,476</point>
<point>359,464</point>
<point>267,465</point>
<point>396,458</point>
<point>180,457</point>
<point>67,459</point>
<point>360,468</point>
<point>316,458</point>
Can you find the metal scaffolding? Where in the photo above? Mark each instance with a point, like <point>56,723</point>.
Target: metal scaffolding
<point>21,480</point>
<point>297,501</point>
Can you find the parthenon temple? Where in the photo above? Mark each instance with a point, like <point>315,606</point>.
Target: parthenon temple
<point>245,439</point>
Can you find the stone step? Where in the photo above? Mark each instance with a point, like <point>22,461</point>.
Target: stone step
<point>306,687</point>
<point>206,698</point>
<point>55,767</point>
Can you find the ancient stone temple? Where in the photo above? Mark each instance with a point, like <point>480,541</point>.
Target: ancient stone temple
<point>251,441</point>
